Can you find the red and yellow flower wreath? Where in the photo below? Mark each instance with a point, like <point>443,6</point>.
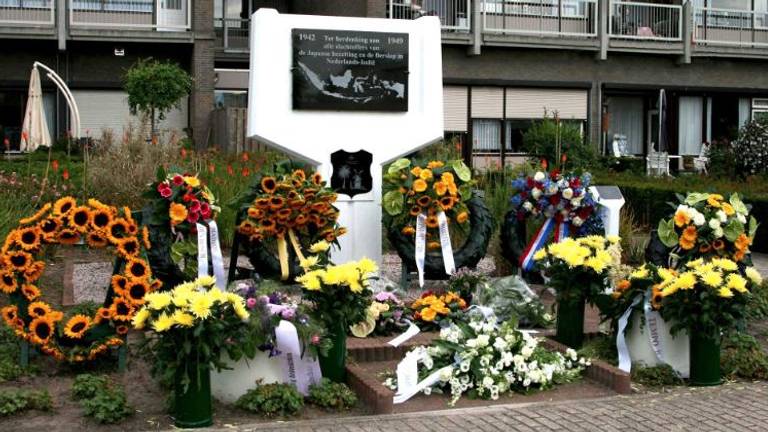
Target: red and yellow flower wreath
<point>78,337</point>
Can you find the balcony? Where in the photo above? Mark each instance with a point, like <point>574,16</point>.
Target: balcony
<point>646,21</point>
<point>542,18</point>
<point>232,34</point>
<point>28,18</point>
<point>453,14</point>
<point>131,19</point>
<point>729,28</point>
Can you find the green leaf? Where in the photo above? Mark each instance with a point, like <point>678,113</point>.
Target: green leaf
<point>733,230</point>
<point>398,165</point>
<point>738,204</point>
<point>465,191</point>
<point>160,173</point>
<point>752,226</point>
<point>393,202</point>
<point>461,170</point>
<point>696,197</point>
<point>667,233</point>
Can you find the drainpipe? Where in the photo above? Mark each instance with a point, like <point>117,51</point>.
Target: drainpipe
<point>61,24</point>
<point>688,27</point>
<point>477,28</point>
<point>604,14</point>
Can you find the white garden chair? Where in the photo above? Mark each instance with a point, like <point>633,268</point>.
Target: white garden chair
<point>701,161</point>
<point>657,163</point>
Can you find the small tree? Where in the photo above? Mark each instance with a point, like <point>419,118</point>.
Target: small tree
<point>154,88</point>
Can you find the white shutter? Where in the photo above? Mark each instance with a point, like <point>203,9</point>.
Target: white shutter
<point>529,103</point>
<point>102,110</point>
<point>487,102</point>
<point>455,108</point>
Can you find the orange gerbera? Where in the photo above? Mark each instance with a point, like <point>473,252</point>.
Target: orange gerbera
<point>739,255</point>
<point>435,164</point>
<point>38,309</point>
<point>96,239</point>
<point>408,230</point>
<point>686,244</point>
<point>690,234</point>
<point>682,219</point>
<point>268,184</point>
<point>63,206</point>
<point>178,213</point>
<point>77,326</point>
<point>440,188</point>
<point>419,185</point>
<point>462,217</point>
<point>29,238</point>
<point>79,218</point>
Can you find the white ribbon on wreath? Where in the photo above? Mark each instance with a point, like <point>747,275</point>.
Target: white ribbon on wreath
<point>445,244</point>
<point>204,235</point>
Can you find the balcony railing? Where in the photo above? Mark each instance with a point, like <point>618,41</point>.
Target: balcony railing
<point>541,18</point>
<point>646,21</point>
<point>232,34</point>
<point>730,27</point>
<point>162,15</point>
<point>453,14</point>
<point>27,12</point>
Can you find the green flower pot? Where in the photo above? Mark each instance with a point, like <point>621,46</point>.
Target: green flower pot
<point>333,364</point>
<point>705,360</point>
<point>193,408</point>
<point>570,322</point>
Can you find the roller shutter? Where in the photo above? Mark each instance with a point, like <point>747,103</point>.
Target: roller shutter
<point>455,108</point>
<point>530,103</point>
<point>487,102</point>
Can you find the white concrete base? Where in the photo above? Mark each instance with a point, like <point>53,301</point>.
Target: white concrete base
<point>228,385</point>
<point>675,348</point>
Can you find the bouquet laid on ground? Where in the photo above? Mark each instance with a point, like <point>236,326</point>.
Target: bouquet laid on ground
<point>192,325</point>
<point>433,189</point>
<point>178,202</point>
<point>268,307</point>
<point>706,225</point>
<point>484,360</point>
<point>386,316</point>
<point>579,268</point>
<point>510,298</point>
<point>706,297</point>
<point>290,207</point>
<point>433,311</point>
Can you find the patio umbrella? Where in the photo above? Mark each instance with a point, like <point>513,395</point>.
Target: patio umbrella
<point>34,129</point>
<point>662,121</point>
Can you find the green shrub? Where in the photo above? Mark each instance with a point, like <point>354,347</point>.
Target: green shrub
<point>757,307</point>
<point>272,400</point>
<point>722,160</point>
<point>87,385</point>
<point>108,405</point>
<point>742,356</point>
<point>751,147</point>
<point>601,347</point>
<point>541,138</point>
<point>9,354</point>
<point>332,396</point>
<point>14,401</point>
<point>656,376</point>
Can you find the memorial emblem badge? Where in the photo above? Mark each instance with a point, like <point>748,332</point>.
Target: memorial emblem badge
<point>350,70</point>
<point>351,172</point>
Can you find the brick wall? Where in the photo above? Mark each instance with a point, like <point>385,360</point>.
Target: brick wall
<point>202,71</point>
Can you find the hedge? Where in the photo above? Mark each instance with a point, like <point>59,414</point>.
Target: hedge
<point>649,203</point>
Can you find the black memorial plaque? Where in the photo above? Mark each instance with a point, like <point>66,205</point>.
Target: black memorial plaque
<point>344,70</point>
<point>351,172</point>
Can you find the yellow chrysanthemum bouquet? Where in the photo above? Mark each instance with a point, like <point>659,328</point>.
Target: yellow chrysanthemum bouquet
<point>339,295</point>
<point>578,270</point>
<point>706,297</point>
<point>192,326</point>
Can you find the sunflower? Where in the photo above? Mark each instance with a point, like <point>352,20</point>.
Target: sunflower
<point>48,228</point>
<point>100,349</point>
<point>284,213</point>
<point>408,230</point>
<point>34,271</point>
<point>276,202</point>
<point>319,207</point>
<point>131,227</point>
<point>29,238</point>
<point>267,225</point>
<point>18,260</point>
<point>79,218</point>
<point>446,203</point>
<point>296,204</point>
<point>137,269</point>
<point>122,329</point>
<point>115,341</point>
<point>41,330</point>
<point>35,217</point>
<point>705,248</point>
<point>261,203</point>
<point>177,212</point>
<point>96,239</point>
<point>136,291</point>
<point>119,283</point>
<point>423,200</point>
<point>100,218</point>
<point>10,314</point>
<point>8,283</point>
<point>299,174</point>
<point>246,227</point>
<point>432,222</point>
<point>462,217</point>
<point>317,179</point>
<point>63,206</point>
<point>31,292</point>
<point>415,211</point>
<point>104,313</point>
<point>656,297</point>
<point>68,236</point>
<point>38,309</point>
<point>128,247</point>
<point>268,184</point>
<point>77,326</point>
<point>121,310</point>
<point>718,244</point>
<point>155,285</point>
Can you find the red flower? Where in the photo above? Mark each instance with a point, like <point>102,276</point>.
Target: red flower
<point>211,168</point>
<point>205,210</point>
<point>544,164</point>
<point>554,200</point>
<point>575,182</point>
<point>65,174</point>
<point>187,198</point>
<point>563,158</point>
<point>230,171</point>
<point>246,172</point>
<point>55,165</point>
<point>193,217</point>
<point>245,156</point>
<point>178,180</point>
<point>183,153</point>
<point>165,192</point>
<point>194,206</point>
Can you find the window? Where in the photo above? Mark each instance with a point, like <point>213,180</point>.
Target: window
<point>231,99</point>
<point>759,109</point>
<point>486,136</point>
<point>141,6</point>
<point>514,134</point>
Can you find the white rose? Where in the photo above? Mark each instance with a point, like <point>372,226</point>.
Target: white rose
<point>722,216</point>
<point>718,232</point>
<point>567,193</point>
<point>526,382</point>
<point>741,218</point>
<point>714,223</point>
<point>487,382</point>
<point>536,193</point>
<point>539,176</point>
<point>526,351</point>
<point>552,189</point>
<point>577,221</point>
<point>483,340</point>
<point>528,206</point>
<point>699,219</point>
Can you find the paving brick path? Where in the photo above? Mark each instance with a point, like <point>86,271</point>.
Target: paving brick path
<point>732,407</point>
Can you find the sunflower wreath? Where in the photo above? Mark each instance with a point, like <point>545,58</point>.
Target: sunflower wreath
<point>432,188</point>
<point>284,214</point>
<point>74,337</point>
<point>176,202</point>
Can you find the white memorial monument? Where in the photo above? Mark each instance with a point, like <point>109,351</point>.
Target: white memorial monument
<point>346,95</point>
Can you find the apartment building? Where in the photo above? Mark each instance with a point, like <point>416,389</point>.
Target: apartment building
<point>600,64</point>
